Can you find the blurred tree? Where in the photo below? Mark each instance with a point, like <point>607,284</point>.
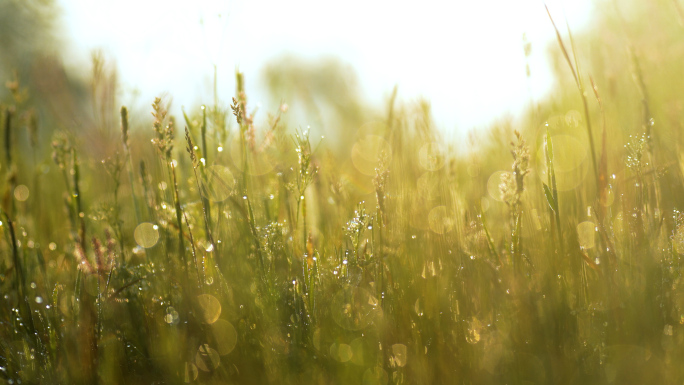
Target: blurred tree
<point>25,32</point>
<point>324,93</point>
<point>31,53</point>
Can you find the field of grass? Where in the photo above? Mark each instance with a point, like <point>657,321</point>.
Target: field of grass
<point>221,247</point>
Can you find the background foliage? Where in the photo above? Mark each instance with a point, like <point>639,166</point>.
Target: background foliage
<point>224,247</point>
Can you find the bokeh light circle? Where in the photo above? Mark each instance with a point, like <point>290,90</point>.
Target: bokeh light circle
<point>494,185</point>
<point>21,193</point>
<point>146,235</point>
<point>224,335</point>
<point>208,308</point>
<point>440,220</point>
<point>570,162</point>
<point>367,153</point>
<point>260,157</point>
<point>207,359</point>
<point>217,183</point>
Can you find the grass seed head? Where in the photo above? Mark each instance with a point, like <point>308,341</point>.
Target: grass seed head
<point>164,134</point>
<point>190,148</point>
<point>512,184</point>
<point>124,126</point>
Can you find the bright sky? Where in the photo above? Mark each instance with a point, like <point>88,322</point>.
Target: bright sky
<point>466,57</point>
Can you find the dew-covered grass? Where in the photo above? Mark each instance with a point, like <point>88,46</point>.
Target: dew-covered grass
<point>221,247</point>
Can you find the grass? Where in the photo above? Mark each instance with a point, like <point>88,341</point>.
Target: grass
<point>226,250</point>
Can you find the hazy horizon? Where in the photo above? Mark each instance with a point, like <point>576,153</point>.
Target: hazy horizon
<point>466,60</point>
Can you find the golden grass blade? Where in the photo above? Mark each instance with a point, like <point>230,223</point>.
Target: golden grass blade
<point>562,46</point>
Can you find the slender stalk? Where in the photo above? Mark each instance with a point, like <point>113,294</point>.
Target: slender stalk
<point>578,82</point>
<point>205,202</point>
<point>18,266</point>
<point>179,221</point>
<point>24,304</point>
<point>11,172</point>
<point>200,272</point>
<point>128,157</point>
<point>205,154</point>
<point>77,198</point>
<point>8,134</point>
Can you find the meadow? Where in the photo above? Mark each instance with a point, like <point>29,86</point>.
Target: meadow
<point>230,245</point>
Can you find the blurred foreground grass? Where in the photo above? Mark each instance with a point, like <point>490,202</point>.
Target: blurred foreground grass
<point>208,248</point>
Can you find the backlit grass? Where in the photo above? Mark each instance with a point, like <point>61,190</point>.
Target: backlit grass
<point>224,247</point>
